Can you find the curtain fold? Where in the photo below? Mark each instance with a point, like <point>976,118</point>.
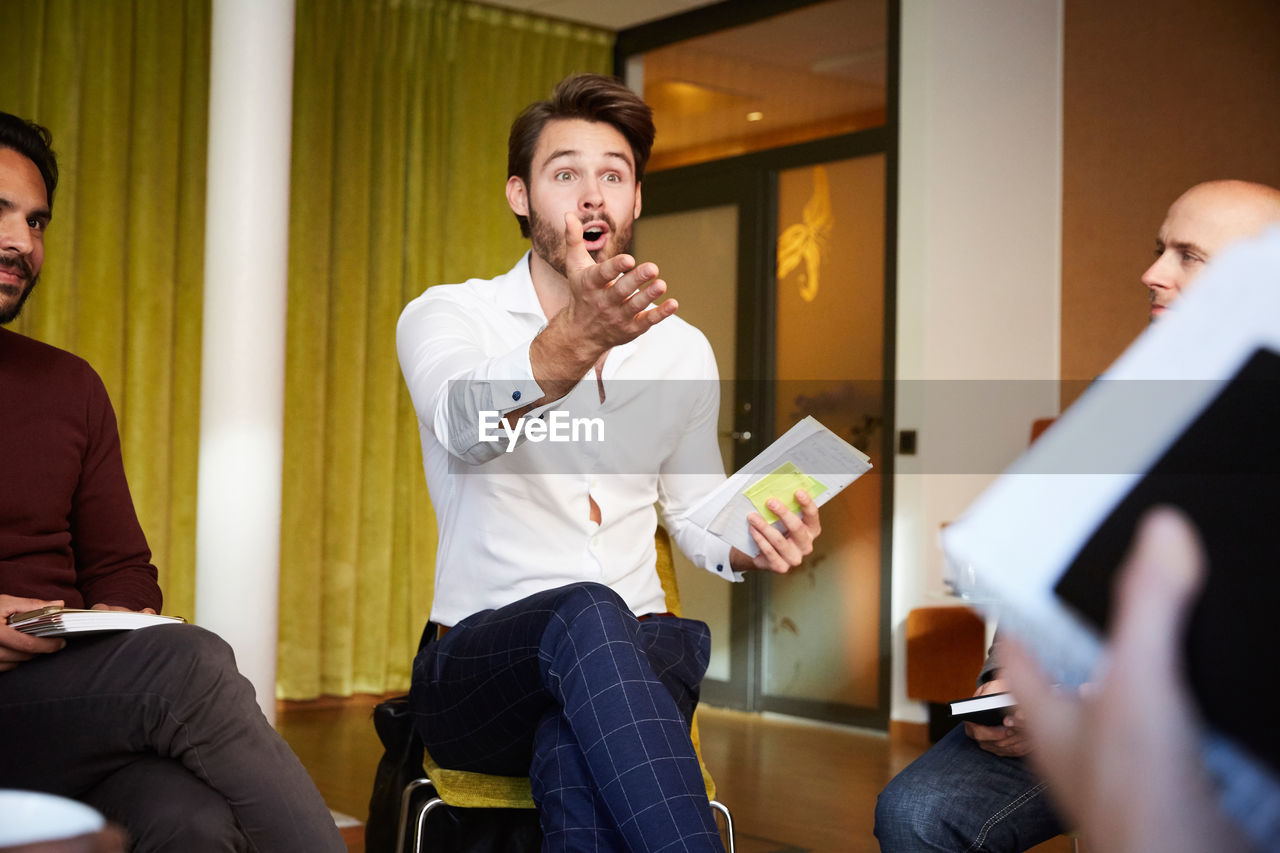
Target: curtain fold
<point>123,86</point>
<point>401,109</point>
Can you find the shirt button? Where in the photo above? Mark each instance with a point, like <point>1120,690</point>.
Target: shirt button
<point>595,541</point>
<point>515,395</point>
<point>720,567</point>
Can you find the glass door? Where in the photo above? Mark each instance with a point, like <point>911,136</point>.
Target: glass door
<point>820,629</point>
<point>783,267</point>
<point>700,233</point>
<point>770,205</point>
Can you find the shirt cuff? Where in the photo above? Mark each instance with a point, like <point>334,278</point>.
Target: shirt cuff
<point>717,551</point>
<point>513,386</point>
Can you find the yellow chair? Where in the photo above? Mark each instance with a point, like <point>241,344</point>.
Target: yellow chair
<point>467,789</point>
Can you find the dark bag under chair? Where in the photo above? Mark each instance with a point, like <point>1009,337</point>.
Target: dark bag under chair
<point>451,830</point>
<point>400,764</point>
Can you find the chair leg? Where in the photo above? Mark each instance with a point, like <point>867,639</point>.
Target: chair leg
<point>406,797</point>
<point>422,822</point>
<point>728,821</point>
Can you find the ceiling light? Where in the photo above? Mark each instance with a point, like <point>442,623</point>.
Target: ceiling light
<point>755,116</point>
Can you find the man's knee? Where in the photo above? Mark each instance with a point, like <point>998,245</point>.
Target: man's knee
<point>587,619</point>
<point>185,662</point>
<point>590,594</point>
<point>183,646</point>
<point>206,825</point>
<point>164,806</point>
<point>592,603</point>
<point>910,817</point>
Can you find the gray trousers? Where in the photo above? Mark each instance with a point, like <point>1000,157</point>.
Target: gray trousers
<point>158,730</point>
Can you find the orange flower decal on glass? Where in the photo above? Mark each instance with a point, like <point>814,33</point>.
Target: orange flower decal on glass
<point>807,241</point>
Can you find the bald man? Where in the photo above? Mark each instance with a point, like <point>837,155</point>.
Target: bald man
<point>1201,223</point>
<point>973,790</point>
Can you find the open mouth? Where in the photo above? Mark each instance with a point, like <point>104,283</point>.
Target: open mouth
<point>593,234</point>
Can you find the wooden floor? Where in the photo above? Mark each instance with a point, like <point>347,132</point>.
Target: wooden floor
<point>793,786</point>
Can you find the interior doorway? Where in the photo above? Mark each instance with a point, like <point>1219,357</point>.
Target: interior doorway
<point>783,257</point>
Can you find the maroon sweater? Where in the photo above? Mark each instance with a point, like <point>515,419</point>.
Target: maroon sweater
<point>68,529</point>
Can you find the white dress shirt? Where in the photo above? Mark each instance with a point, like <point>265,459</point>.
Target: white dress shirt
<point>515,522</point>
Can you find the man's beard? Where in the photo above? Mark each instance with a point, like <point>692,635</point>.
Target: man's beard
<point>19,266</point>
<point>549,243</point>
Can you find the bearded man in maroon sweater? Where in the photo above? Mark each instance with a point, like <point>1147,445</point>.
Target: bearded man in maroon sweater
<point>154,727</point>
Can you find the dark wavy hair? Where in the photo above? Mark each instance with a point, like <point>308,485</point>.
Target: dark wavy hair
<point>33,142</point>
<point>593,97</point>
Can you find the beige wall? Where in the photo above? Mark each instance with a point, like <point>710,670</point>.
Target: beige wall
<point>1157,95</point>
<point>978,228</point>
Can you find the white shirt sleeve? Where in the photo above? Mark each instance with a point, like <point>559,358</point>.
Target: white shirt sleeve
<point>685,478</point>
<point>460,392</point>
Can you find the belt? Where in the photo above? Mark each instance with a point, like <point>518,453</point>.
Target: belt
<point>663,613</point>
<point>441,630</point>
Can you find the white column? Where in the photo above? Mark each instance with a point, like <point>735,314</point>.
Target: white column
<point>242,378</point>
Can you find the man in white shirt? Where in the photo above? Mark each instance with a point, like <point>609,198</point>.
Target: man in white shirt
<point>557,659</point>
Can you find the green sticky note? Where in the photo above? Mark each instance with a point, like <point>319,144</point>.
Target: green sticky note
<point>782,483</point>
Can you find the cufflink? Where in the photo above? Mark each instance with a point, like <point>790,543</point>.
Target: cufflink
<point>515,395</point>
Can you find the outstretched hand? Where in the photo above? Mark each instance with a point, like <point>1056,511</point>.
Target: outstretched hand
<point>781,552</point>
<point>607,307</point>
<point>609,300</point>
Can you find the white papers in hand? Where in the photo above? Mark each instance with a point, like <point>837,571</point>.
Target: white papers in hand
<point>809,446</point>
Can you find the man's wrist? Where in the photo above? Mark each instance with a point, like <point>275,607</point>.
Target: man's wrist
<point>740,562</point>
<point>571,342</point>
<point>560,358</point>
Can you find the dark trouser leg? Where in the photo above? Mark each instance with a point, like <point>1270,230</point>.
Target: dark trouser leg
<point>72,719</point>
<point>163,806</point>
<point>573,666</point>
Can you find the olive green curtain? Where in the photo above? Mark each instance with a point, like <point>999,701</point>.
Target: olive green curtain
<point>401,109</point>
<point>400,116</point>
<point>123,86</point>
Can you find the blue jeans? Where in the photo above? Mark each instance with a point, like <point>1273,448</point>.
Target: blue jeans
<point>567,686</point>
<point>958,797</point>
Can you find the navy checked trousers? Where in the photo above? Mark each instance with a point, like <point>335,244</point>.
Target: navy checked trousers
<point>570,688</point>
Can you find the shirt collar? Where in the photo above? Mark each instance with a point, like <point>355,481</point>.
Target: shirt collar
<point>515,291</point>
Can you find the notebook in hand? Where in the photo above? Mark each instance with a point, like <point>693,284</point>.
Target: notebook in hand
<point>56,621</point>
<point>1188,416</point>
<point>988,710</point>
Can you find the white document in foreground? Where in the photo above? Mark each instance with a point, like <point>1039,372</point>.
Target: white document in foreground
<point>807,456</point>
<point>1018,548</point>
